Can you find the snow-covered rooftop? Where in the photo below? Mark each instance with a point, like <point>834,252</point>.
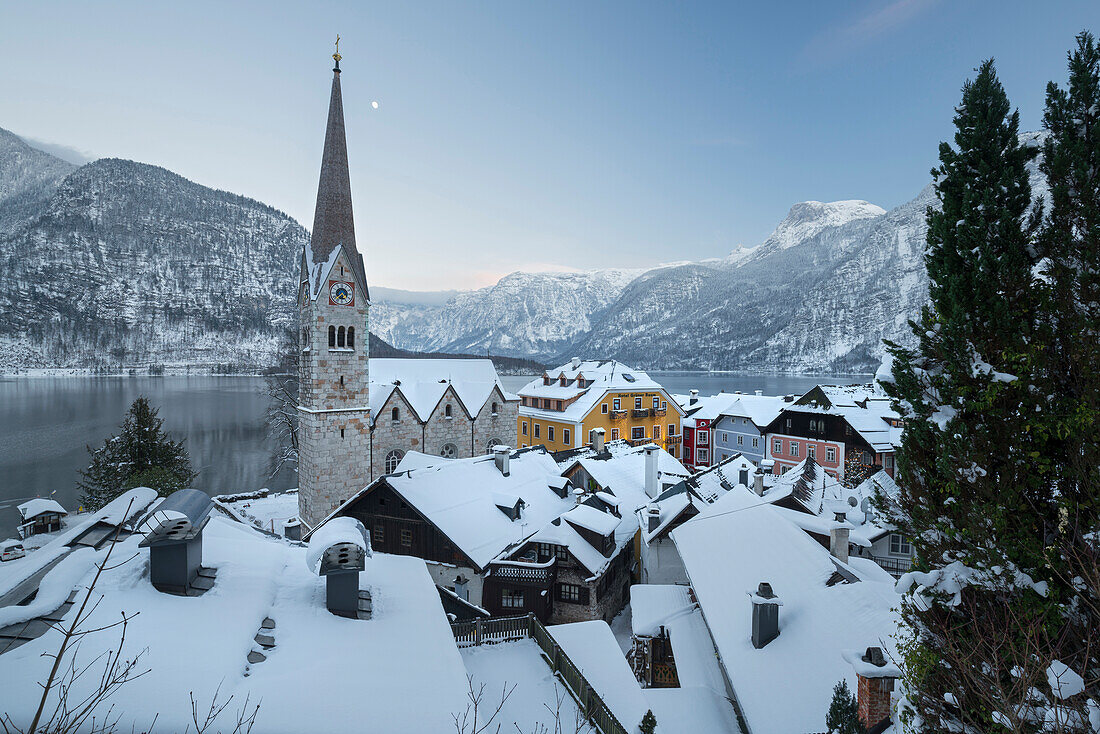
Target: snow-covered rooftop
<point>423,382</point>
<point>325,673</point>
<point>621,468</point>
<point>784,687</point>
<point>760,409</point>
<point>868,412</point>
<point>39,506</point>
<point>600,377</point>
<point>705,407</point>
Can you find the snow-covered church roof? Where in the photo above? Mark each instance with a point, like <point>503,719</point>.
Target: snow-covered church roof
<point>423,382</point>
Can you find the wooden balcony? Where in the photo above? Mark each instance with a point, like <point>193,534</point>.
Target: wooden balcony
<point>537,573</point>
<point>673,440</point>
<point>618,415</point>
<point>639,413</point>
<point>660,411</point>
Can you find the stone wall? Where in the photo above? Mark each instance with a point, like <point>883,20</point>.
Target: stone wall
<point>501,426</point>
<point>441,430</point>
<point>405,434</point>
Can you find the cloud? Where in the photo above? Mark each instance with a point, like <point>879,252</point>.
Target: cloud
<point>64,152</point>
<point>833,42</point>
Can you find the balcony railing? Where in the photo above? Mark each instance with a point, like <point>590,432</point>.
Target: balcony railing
<point>639,413</point>
<point>618,415</point>
<point>641,441</point>
<point>660,411</point>
<point>673,440</point>
<point>540,573</point>
<point>894,566</point>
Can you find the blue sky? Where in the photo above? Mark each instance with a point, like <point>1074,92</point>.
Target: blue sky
<point>530,135</point>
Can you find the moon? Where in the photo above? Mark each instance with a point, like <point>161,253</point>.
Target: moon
<point>374,105</point>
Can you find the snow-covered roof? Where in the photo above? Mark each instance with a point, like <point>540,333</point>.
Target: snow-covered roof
<point>806,483</point>
<point>562,533</point>
<point>699,705</point>
<point>39,506</point>
<point>600,377</point>
<point>705,407</point>
<point>459,497</point>
<point>868,412</point>
<point>786,686</point>
<point>314,678</point>
<point>589,518</point>
<point>423,382</point>
<point>621,468</point>
<point>701,488</point>
<point>335,531</point>
<point>760,409</point>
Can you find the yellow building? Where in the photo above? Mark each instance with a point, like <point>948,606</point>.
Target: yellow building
<point>561,409</point>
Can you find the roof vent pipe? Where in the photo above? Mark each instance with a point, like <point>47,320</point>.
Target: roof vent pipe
<point>597,440</point>
<point>651,469</point>
<point>501,455</point>
<point>765,615</point>
<point>838,543</point>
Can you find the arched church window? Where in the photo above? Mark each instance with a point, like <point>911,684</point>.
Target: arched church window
<point>395,414</point>
<point>351,337</point>
<point>449,451</point>
<point>305,338</point>
<point>447,410</point>
<point>393,458</point>
<point>494,408</point>
<point>340,337</point>
<point>331,337</point>
<point>493,442</point>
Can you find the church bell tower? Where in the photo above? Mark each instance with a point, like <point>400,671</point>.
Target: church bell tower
<point>333,405</point>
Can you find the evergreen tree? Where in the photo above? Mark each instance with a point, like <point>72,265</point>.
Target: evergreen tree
<point>843,716</point>
<point>141,455</point>
<point>648,724</point>
<point>974,468</point>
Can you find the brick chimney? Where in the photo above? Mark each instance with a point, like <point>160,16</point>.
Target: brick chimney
<point>758,482</point>
<point>875,682</point>
<point>694,397</point>
<point>651,469</point>
<point>597,440</point>
<point>838,539</point>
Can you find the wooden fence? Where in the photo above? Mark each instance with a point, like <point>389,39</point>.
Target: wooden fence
<point>501,629</point>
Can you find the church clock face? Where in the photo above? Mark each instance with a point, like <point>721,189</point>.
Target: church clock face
<point>341,293</point>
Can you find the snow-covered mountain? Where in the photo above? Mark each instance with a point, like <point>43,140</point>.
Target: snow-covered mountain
<point>28,178</point>
<point>127,264</point>
<point>523,314</point>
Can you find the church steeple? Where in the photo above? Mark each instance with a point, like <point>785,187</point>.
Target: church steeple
<point>333,223</point>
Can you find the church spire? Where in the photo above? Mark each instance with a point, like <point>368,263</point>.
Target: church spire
<point>333,224</point>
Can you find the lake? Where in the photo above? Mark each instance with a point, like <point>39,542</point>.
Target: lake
<point>46,422</point>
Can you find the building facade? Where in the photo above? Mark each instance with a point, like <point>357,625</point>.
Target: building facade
<point>740,427</point>
<point>561,409</point>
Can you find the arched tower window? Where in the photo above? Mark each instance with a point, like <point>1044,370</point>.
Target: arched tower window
<point>305,338</point>
<point>331,337</point>
<point>447,410</point>
<point>351,337</point>
<point>393,458</point>
<point>395,414</point>
<point>340,337</point>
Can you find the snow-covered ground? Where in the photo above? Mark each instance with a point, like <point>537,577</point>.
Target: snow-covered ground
<point>266,510</point>
<point>533,703</point>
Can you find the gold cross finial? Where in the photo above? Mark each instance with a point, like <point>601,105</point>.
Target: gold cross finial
<point>336,56</point>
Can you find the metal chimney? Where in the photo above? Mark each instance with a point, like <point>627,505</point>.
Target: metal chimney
<point>651,457</point>
<point>694,397</point>
<point>597,440</point>
<point>501,455</point>
<point>340,565</point>
<point>743,477</point>
<point>765,615</point>
<point>175,541</point>
<point>292,529</point>
<point>460,587</point>
<point>838,542</point>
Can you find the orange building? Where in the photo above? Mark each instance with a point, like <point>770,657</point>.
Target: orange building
<point>561,409</point>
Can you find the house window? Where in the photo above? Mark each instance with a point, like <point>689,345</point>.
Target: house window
<point>830,454</point>
<point>899,545</point>
<point>672,429</point>
<point>559,405</point>
<point>511,598</point>
<point>379,535</point>
<point>656,403</point>
<point>794,449</point>
<point>395,414</point>
<point>538,430</point>
<point>603,408</point>
<point>637,403</point>
<point>406,538</point>
<point>565,436</point>
<point>777,446</point>
<point>561,553</point>
<point>546,551</point>
<point>664,405</point>
<point>549,433</point>
<point>523,427</point>
<point>702,437</point>
<point>788,424</point>
<point>393,458</point>
<point>701,456</point>
<point>888,461</point>
<point>616,404</point>
<point>756,443</point>
<point>637,432</point>
<point>572,593</point>
<point>449,451</point>
<point>811,451</point>
<point>614,434</point>
<point>740,439</point>
<point>656,432</point>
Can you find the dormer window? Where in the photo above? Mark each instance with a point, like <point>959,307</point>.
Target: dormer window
<point>546,379</point>
<point>562,381</point>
